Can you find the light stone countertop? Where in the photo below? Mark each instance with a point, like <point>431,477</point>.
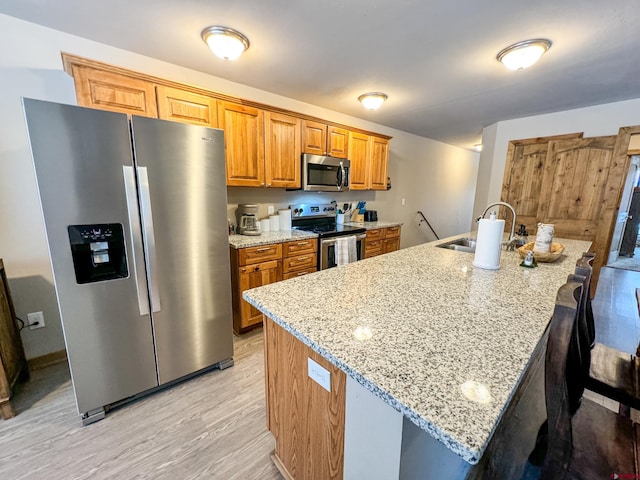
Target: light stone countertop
<point>415,325</point>
<point>267,238</point>
<point>373,225</point>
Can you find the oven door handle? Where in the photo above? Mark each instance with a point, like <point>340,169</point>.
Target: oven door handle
<point>332,240</point>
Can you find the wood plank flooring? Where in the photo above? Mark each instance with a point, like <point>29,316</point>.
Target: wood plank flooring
<point>211,427</point>
<point>615,309</point>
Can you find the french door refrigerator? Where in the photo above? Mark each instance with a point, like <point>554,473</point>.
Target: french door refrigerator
<point>135,216</point>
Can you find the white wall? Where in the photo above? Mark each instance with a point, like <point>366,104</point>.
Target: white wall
<point>436,178</point>
<point>594,121</point>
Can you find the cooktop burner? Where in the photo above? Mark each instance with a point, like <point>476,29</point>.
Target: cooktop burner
<point>331,229</point>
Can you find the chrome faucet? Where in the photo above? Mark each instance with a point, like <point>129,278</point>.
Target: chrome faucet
<point>510,244</point>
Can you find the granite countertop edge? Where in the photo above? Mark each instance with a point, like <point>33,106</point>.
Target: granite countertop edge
<point>469,449</point>
<point>281,236</point>
<point>469,455</point>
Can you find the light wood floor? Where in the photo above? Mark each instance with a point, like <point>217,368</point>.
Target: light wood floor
<point>615,309</point>
<point>211,427</point>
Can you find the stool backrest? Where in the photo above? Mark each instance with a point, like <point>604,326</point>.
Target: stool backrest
<point>564,381</point>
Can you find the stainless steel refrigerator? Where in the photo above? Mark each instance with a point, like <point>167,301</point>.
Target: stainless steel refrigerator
<point>135,211</point>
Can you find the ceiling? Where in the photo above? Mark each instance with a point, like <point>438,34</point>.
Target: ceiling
<point>435,59</point>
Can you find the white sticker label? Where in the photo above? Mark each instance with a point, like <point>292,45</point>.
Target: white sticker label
<point>320,375</point>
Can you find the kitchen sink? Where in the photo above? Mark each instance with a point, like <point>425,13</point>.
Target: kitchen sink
<point>460,244</point>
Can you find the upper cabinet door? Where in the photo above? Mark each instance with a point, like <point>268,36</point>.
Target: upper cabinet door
<point>359,175</point>
<point>282,150</point>
<point>379,163</point>
<point>186,107</point>
<point>337,142</point>
<point>314,137</point>
<point>244,143</point>
<point>114,92</point>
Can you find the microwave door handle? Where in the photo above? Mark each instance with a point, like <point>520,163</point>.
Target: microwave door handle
<point>341,177</point>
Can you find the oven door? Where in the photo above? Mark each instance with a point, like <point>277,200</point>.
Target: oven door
<point>324,174</point>
<point>328,251</point>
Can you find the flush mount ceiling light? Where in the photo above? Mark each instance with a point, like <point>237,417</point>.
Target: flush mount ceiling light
<point>372,100</point>
<point>523,54</point>
<point>225,42</point>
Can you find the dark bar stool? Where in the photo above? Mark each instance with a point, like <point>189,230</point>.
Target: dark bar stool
<point>580,439</point>
<point>610,372</point>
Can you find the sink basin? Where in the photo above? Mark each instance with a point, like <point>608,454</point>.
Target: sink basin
<point>460,244</point>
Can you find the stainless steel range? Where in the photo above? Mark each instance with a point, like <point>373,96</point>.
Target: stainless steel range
<point>321,219</point>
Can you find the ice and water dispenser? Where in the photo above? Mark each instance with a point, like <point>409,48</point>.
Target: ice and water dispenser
<point>98,252</point>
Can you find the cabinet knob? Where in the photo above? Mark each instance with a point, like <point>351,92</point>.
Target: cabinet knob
<point>257,268</point>
<point>262,184</point>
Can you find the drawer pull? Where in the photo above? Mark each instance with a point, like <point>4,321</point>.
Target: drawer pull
<point>302,243</point>
<point>302,259</point>
<point>301,273</point>
<point>265,249</point>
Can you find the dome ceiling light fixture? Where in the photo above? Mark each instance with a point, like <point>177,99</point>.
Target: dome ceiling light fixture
<point>523,54</point>
<point>372,100</point>
<point>225,42</point>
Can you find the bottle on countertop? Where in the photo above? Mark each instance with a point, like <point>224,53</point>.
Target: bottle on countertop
<point>522,237</point>
<point>529,261</point>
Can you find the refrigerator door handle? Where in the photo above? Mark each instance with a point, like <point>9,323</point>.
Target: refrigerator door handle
<point>136,240</point>
<point>149,238</point>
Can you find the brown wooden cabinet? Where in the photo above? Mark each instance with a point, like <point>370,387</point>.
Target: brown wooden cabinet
<point>13,364</point>
<point>282,150</point>
<point>252,267</point>
<point>114,92</point>
<point>262,143</point>
<point>369,157</point>
<point>359,152</point>
<point>306,420</point>
<point>181,106</point>
<point>244,143</point>
<point>256,266</point>
<point>322,139</point>
<point>382,240</point>
<point>379,163</point>
<point>299,258</point>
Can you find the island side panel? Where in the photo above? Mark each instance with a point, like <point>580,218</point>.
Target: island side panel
<point>306,420</point>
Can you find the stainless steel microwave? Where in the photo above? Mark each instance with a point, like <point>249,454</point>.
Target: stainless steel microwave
<point>325,174</point>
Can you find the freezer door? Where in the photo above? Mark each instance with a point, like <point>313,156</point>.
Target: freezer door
<point>181,170</point>
<point>79,154</point>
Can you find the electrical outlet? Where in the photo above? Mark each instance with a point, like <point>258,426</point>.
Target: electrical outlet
<point>35,320</point>
<point>404,202</point>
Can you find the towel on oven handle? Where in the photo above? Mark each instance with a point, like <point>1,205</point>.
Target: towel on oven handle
<point>346,251</point>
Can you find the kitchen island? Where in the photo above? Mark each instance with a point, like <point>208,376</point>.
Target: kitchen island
<point>417,337</point>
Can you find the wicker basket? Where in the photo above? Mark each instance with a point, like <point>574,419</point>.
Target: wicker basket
<point>552,256</point>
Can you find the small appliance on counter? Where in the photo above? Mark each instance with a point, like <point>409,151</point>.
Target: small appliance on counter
<point>371,216</point>
<point>248,223</point>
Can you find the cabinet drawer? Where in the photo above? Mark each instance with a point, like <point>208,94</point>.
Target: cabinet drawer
<point>250,255</point>
<point>372,248</point>
<point>392,232</point>
<point>300,262</point>
<point>300,246</point>
<point>287,276</point>
<point>259,267</point>
<point>391,244</point>
<point>376,234</point>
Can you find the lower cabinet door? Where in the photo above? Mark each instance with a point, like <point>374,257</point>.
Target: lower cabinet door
<point>253,276</point>
<point>391,244</point>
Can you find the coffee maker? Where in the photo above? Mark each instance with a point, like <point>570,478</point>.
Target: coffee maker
<point>248,223</point>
